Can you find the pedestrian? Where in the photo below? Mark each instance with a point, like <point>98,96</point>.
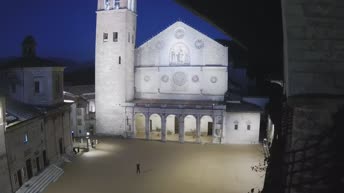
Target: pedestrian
<point>138,169</point>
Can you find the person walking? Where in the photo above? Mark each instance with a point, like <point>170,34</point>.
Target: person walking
<point>138,168</point>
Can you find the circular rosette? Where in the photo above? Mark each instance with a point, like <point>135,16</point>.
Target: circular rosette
<point>179,33</point>
<point>165,78</point>
<point>179,78</point>
<point>199,44</point>
<point>195,78</point>
<point>213,79</point>
<point>146,78</point>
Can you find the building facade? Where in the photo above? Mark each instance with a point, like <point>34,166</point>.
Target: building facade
<point>35,124</point>
<point>170,88</point>
<point>83,115</point>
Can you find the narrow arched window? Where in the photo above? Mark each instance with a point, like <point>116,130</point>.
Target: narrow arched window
<point>248,123</point>
<point>119,60</point>
<point>236,125</point>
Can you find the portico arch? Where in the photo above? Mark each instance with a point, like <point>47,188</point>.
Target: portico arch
<point>140,122</point>
<point>172,128</point>
<point>155,126</point>
<point>190,128</point>
<point>207,125</point>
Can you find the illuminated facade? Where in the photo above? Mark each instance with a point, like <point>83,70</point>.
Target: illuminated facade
<point>35,126</point>
<point>170,88</point>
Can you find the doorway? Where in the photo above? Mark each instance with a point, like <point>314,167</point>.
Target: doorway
<point>210,128</point>
<point>20,179</point>
<point>61,146</point>
<point>38,165</point>
<point>29,168</point>
<point>45,161</point>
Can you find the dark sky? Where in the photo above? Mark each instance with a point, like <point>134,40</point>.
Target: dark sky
<point>66,28</point>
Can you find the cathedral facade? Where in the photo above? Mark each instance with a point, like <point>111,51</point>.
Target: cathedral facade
<point>170,88</point>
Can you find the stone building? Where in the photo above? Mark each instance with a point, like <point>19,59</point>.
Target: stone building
<point>84,116</point>
<point>35,122</point>
<point>170,88</point>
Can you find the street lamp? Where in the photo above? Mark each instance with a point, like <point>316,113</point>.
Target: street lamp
<point>87,138</point>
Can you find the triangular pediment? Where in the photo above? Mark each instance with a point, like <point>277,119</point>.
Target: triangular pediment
<point>180,44</point>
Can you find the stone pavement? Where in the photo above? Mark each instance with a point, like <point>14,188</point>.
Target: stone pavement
<point>165,168</point>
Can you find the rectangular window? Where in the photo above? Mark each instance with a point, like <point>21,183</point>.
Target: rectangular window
<point>236,126</point>
<point>129,37</point>
<point>26,138</point>
<point>115,36</point>
<point>132,39</point>
<point>37,87</point>
<point>105,37</point>
<point>248,127</point>
<point>119,60</point>
<point>58,86</point>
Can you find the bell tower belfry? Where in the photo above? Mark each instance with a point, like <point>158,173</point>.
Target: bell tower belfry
<point>114,63</point>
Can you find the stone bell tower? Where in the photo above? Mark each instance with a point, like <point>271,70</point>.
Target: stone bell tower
<point>115,45</point>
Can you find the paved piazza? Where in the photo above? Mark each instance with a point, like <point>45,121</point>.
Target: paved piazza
<point>165,168</point>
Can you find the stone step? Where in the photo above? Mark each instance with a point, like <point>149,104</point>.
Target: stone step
<point>38,183</point>
<point>44,182</point>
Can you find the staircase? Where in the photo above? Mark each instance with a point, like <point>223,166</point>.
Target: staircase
<point>38,183</point>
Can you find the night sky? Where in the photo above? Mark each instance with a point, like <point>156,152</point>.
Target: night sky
<point>66,28</point>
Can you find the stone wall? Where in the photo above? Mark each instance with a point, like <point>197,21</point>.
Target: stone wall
<point>313,46</point>
<point>241,135</point>
<point>309,153</point>
<point>20,150</point>
<point>5,183</point>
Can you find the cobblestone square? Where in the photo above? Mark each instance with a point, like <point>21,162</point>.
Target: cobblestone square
<point>165,168</point>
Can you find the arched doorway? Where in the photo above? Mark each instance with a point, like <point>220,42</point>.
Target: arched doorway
<point>206,129</point>
<point>172,128</point>
<point>155,126</point>
<point>140,122</point>
<point>190,129</point>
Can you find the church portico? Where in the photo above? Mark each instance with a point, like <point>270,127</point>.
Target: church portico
<point>182,123</point>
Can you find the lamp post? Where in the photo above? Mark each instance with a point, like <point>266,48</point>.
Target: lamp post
<point>87,138</point>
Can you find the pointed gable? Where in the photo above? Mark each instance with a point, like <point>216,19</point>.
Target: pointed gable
<point>180,44</point>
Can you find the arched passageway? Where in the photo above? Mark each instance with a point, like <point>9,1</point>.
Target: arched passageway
<point>155,126</point>
<point>172,128</point>
<point>206,129</point>
<point>140,122</point>
<point>190,134</point>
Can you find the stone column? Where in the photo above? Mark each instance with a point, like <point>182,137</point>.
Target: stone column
<point>147,125</point>
<point>181,129</point>
<point>133,126</point>
<point>198,129</point>
<point>163,128</point>
<point>214,126</point>
<point>218,124</point>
